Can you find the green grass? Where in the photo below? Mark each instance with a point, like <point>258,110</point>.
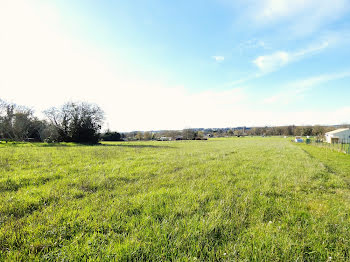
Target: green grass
<point>245,199</point>
<point>344,148</point>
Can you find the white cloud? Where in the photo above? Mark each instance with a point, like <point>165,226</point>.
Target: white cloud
<point>296,90</point>
<point>252,44</point>
<point>285,97</point>
<point>218,58</point>
<point>274,61</point>
<point>43,66</point>
<point>309,117</point>
<point>269,63</point>
<point>277,9</point>
<point>300,16</point>
<point>290,18</point>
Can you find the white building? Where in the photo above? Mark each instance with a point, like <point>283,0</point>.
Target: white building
<point>338,136</point>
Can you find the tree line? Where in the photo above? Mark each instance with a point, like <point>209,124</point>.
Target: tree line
<point>81,122</point>
<point>202,133</point>
<point>73,122</point>
<point>317,130</point>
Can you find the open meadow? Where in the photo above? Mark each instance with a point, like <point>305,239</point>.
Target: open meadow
<point>234,199</point>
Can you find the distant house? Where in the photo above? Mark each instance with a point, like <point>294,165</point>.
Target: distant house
<point>338,136</point>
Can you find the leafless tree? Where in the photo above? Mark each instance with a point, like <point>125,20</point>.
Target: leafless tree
<point>77,121</point>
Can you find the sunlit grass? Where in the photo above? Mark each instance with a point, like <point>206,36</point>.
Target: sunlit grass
<point>221,199</point>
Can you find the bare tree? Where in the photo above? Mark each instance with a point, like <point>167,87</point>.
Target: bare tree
<point>18,122</point>
<point>77,121</point>
<point>189,134</point>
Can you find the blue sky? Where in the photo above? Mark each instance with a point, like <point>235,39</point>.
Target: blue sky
<point>176,64</point>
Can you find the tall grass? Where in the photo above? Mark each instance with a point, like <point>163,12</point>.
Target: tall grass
<point>246,199</point>
<point>343,147</point>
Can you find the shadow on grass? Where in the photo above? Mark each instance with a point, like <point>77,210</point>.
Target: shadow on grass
<point>60,145</point>
<point>70,144</point>
<point>135,146</point>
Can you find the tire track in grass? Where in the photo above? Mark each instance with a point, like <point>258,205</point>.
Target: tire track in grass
<point>336,163</point>
<point>325,166</point>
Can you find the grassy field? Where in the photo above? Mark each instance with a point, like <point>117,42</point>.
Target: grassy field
<point>245,199</point>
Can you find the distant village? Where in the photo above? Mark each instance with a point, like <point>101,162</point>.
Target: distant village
<point>325,133</point>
